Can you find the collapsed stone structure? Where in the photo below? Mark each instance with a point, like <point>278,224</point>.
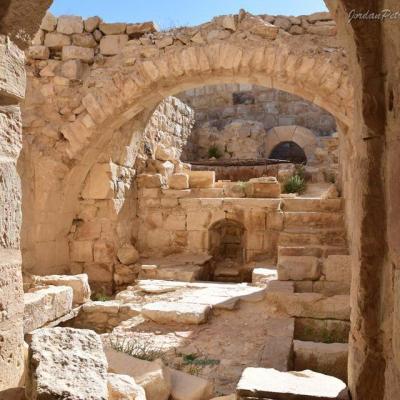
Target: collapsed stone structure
<point>98,135</point>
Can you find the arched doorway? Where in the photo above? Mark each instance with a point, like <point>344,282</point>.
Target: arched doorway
<point>226,245</point>
<point>289,151</point>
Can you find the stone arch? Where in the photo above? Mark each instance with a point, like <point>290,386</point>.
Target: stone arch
<point>303,137</point>
<point>118,96</point>
<point>226,239</point>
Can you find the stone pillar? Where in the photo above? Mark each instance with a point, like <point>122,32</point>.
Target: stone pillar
<point>12,89</point>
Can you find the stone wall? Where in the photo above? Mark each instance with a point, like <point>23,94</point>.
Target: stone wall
<point>107,218</point>
<point>247,112</point>
<point>97,98</point>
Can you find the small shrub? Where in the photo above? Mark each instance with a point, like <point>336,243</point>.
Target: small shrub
<point>141,350</point>
<point>214,152</point>
<point>194,359</point>
<point>295,184</point>
<point>101,297</point>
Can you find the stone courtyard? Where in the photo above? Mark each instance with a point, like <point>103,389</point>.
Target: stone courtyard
<point>200,213</point>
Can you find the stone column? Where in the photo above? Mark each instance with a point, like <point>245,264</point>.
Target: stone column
<point>12,89</point>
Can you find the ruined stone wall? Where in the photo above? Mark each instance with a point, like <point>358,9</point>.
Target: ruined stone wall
<point>92,88</point>
<point>108,214</point>
<point>253,110</point>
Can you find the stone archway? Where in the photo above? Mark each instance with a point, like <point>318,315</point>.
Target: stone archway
<point>116,96</point>
<point>303,137</point>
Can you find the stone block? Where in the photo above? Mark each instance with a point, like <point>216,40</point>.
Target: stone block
<point>179,181</point>
<point>103,251</point>
<point>72,69</point>
<point>99,183</point>
<point>267,187</point>
<point>39,52</point>
<point>164,153</point>
<point>260,383</point>
<point>115,28</point>
<point>91,24</point>
<point>337,268</point>
<point>78,53</point>
<point>198,220</point>
<point>124,387</point>
<point>113,44</point>
<point>45,305</point>
<point>173,312</point>
<point>259,27</point>
<point>322,330</point>
<point>127,254</point>
<point>57,41</point>
<point>263,275</point>
<point>136,30</point>
<point>202,179</point>
<point>51,350</point>
<point>49,22</point>
<point>153,377</point>
<point>84,40</point>
<point>12,70</point>
<point>189,387</point>
<point>78,283</point>
<point>298,268</point>
<point>326,358</point>
<point>69,24</point>
<point>149,181</point>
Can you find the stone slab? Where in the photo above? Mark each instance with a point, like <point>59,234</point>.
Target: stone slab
<point>174,312</point>
<point>261,383</point>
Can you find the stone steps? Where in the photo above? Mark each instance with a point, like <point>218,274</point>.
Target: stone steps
<point>314,219</point>
<point>312,204</point>
<point>312,237</point>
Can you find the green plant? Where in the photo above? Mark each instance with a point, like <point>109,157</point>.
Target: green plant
<point>295,184</point>
<point>101,297</point>
<point>214,152</point>
<point>194,359</point>
<point>141,350</point>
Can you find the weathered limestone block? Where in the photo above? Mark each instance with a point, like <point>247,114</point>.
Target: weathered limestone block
<point>72,69</point>
<point>10,196</point>
<point>92,23</point>
<point>337,268</point>
<point>260,383</point>
<point>57,41</point>
<point>100,182</point>
<point>66,363</point>
<point>174,312</point>
<point>127,254</point>
<point>259,27</point>
<point>189,387</point>
<point>326,358</point>
<point>12,70</point>
<point>78,53</point>
<point>268,187</point>
<point>322,330</point>
<point>116,28</point>
<point>164,153</point>
<point>78,283</point>
<point>179,181</point>
<point>49,22</point>
<point>39,52</point>
<point>298,268</point>
<point>263,275</point>
<point>150,181</point>
<point>153,377</point>
<point>69,24</point>
<point>10,128</point>
<point>124,387</point>
<point>319,16</point>
<point>137,30</point>
<point>322,30</point>
<point>103,251</point>
<point>202,179</point>
<point>112,44</point>
<point>46,305</point>
<point>311,305</point>
<point>84,40</point>
<point>11,327</point>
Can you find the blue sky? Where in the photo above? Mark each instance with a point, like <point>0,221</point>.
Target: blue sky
<point>171,13</point>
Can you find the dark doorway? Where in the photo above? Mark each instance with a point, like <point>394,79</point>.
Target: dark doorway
<point>289,151</point>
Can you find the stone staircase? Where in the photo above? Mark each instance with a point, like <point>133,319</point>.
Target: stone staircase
<point>313,258</point>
